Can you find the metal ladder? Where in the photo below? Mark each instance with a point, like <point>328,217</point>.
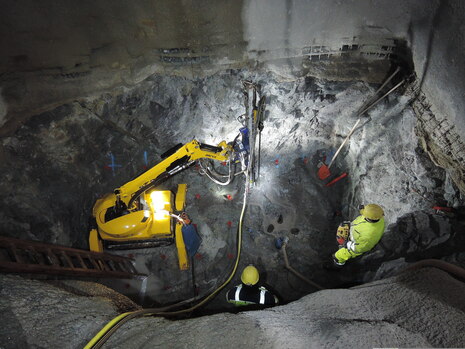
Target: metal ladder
<point>24,256</point>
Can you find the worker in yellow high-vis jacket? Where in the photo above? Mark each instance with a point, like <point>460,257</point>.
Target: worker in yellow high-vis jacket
<point>360,235</point>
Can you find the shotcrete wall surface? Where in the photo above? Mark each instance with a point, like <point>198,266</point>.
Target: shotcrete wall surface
<point>93,46</point>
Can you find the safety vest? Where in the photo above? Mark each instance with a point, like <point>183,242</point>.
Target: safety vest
<point>364,235</point>
<point>240,295</point>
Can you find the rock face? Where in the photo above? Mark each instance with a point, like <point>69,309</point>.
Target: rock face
<point>421,308</point>
<point>59,162</point>
<point>39,314</point>
<point>92,47</point>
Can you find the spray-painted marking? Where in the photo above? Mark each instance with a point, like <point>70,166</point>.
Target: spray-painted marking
<point>146,160</point>
<point>113,164</point>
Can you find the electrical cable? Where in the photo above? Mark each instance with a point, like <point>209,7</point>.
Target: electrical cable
<point>102,336</point>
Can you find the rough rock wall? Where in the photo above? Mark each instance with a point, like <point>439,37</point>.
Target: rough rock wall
<point>61,51</point>
<point>416,309</point>
<point>438,52</point>
<point>60,162</point>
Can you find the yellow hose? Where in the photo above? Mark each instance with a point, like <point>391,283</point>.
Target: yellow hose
<point>99,339</point>
<point>105,329</point>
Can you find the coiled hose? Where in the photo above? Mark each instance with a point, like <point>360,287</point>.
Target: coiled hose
<point>102,336</point>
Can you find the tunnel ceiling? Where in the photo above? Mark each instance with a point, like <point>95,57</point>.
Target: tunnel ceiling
<point>60,51</point>
<point>85,83</point>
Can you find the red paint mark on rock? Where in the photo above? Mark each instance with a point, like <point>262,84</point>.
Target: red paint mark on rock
<point>197,196</point>
<point>305,160</point>
<point>198,256</point>
<point>230,256</point>
<point>229,223</point>
<point>229,197</point>
<point>223,163</point>
<point>276,162</point>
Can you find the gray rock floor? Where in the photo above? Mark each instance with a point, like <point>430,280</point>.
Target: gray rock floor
<point>422,308</point>
<point>418,309</point>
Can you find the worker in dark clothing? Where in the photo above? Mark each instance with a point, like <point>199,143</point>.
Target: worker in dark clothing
<point>249,292</point>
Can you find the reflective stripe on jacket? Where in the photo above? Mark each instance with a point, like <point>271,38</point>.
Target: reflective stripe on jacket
<point>245,295</point>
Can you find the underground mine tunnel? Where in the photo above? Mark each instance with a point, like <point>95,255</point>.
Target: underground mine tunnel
<point>246,103</point>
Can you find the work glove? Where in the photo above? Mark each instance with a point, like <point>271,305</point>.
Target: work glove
<point>185,218</point>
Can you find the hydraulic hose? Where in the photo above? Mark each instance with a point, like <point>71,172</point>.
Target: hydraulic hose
<point>296,273</point>
<point>206,170</point>
<point>102,336</point>
<point>437,263</point>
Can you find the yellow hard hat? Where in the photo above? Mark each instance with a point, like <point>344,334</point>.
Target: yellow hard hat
<point>250,275</point>
<point>372,212</point>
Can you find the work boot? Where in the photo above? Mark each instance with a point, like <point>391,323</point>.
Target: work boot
<point>336,262</point>
<point>332,264</point>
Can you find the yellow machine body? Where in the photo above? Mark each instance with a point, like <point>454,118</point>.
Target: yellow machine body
<point>142,225</point>
<point>138,212</point>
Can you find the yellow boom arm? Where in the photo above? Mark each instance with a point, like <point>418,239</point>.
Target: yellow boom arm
<point>180,159</point>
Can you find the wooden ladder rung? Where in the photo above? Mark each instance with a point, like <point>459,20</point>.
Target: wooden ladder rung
<point>94,263</point>
<point>81,260</point>
<point>33,255</point>
<point>36,257</point>
<point>52,257</point>
<point>102,264</point>
<point>119,266</point>
<point>67,259</point>
<point>13,252</point>
<point>129,266</point>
